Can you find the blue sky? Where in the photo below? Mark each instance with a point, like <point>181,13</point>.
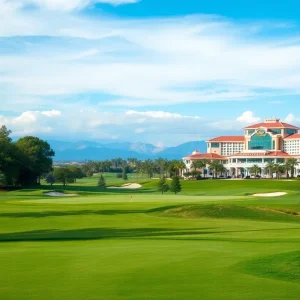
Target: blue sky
<point>164,72</point>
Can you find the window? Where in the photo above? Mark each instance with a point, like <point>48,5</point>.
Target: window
<point>276,131</point>
<point>215,145</point>
<point>290,131</point>
<point>251,131</point>
<point>267,160</point>
<point>260,142</point>
<point>254,160</point>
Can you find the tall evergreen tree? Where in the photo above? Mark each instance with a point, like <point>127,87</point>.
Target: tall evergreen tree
<point>175,186</point>
<point>101,182</point>
<point>162,185</point>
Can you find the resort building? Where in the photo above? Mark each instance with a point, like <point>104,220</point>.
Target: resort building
<point>262,143</point>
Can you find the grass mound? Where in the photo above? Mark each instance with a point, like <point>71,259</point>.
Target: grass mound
<point>285,266</point>
<point>226,212</point>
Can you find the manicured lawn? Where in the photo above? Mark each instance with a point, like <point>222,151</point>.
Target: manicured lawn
<point>213,241</point>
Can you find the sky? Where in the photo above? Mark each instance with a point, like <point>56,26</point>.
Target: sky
<point>156,71</point>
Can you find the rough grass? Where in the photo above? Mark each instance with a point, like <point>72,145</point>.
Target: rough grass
<point>228,212</point>
<point>285,266</point>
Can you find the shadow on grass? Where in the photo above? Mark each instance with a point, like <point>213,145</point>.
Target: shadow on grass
<point>93,189</point>
<point>99,233</point>
<point>45,214</point>
<point>190,234</point>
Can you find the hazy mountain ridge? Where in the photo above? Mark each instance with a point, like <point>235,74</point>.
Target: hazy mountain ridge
<point>85,150</point>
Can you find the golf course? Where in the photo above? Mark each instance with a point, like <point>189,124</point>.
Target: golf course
<point>214,240</point>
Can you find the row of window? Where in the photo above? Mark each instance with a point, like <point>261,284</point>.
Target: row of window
<point>275,131</point>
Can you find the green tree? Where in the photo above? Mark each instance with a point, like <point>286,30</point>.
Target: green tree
<point>279,170</point>
<point>199,164</point>
<point>63,175</point>
<point>175,166</point>
<point>291,164</point>
<point>50,179</point>
<point>76,172</point>
<point>162,185</point>
<point>217,167</point>
<point>11,159</point>
<point>124,174</point>
<point>38,155</point>
<point>162,166</point>
<point>101,182</point>
<point>3,181</point>
<point>175,186</point>
<point>89,173</point>
<point>270,168</point>
<point>255,169</point>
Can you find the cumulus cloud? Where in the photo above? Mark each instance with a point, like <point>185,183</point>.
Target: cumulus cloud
<point>292,119</point>
<point>31,122</point>
<point>248,117</point>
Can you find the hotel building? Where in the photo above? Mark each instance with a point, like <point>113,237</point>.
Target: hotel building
<point>269,141</point>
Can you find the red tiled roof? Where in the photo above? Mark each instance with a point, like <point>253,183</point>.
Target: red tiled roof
<point>199,156</point>
<point>293,136</point>
<point>276,124</point>
<point>268,154</point>
<point>238,139</point>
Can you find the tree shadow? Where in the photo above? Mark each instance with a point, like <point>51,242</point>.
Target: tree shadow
<point>100,233</point>
<point>190,234</point>
<point>44,214</point>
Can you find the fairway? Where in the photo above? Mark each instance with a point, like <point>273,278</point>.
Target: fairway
<point>213,241</point>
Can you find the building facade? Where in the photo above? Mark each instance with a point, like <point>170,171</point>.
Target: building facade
<point>262,143</point>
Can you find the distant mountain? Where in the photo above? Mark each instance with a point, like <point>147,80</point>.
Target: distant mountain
<point>86,150</point>
<point>92,153</point>
<point>147,149</point>
<point>183,150</point>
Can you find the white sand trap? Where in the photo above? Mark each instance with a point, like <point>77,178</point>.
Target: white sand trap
<point>278,194</point>
<point>57,194</point>
<point>130,186</point>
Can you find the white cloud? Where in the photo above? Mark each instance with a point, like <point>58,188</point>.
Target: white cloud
<point>158,114</point>
<point>248,117</point>
<point>52,113</point>
<point>32,122</point>
<point>292,119</point>
<point>146,62</point>
<point>58,5</point>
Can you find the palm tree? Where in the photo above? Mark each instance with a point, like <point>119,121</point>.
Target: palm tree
<point>255,169</point>
<point>199,164</point>
<point>162,166</point>
<point>291,163</point>
<point>216,166</point>
<point>270,168</point>
<point>279,170</point>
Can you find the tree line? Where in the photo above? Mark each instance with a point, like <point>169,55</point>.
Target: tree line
<point>24,162</point>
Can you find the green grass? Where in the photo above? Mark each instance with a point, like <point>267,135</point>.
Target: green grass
<point>210,242</point>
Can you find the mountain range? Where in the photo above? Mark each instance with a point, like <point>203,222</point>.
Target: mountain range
<point>86,150</point>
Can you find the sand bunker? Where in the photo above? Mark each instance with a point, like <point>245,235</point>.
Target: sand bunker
<point>130,186</point>
<point>278,194</point>
<point>57,194</point>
